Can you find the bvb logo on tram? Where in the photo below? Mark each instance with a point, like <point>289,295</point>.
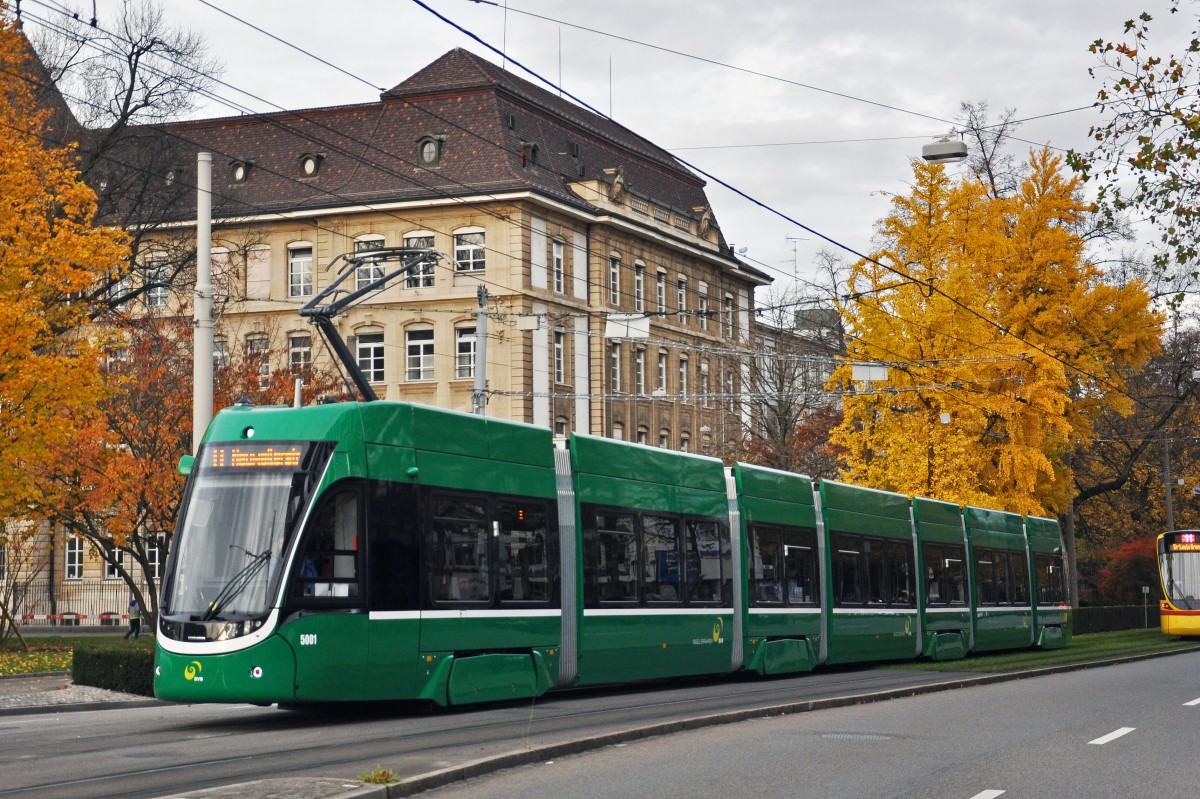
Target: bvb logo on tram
<point>191,672</point>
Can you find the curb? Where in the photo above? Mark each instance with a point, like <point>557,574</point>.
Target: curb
<point>79,707</point>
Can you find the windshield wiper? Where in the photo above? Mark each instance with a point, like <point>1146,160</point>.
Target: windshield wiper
<point>1182,596</point>
<point>237,583</point>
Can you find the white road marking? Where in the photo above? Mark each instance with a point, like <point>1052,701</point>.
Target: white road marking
<point>1193,702</point>
<point>1112,736</point>
<point>990,794</point>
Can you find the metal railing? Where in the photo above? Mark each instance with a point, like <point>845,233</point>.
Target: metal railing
<point>74,603</point>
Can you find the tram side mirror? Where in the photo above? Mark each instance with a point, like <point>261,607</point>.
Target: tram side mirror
<point>185,465</point>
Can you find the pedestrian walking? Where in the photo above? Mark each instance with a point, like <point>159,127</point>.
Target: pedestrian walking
<point>135,620</point>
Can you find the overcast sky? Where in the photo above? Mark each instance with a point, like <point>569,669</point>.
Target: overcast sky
<point>826,153</point>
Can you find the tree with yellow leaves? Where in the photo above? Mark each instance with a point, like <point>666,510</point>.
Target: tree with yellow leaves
<point>50,254</point>
<point>1002,343</point>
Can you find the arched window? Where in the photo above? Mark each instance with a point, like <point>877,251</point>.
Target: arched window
<point>369,352</point>
<point>300,269</point>
<point>369,270</point>
<point>418,363</point>
<point>422,275</point>
<point>469,246</point>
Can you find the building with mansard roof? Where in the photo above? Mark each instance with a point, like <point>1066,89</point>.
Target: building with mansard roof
<point>563,216</point>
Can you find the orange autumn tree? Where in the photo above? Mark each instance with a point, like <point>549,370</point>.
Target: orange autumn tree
<point>50,254</point>
<point>1001,340</point>
<point>120,474</point>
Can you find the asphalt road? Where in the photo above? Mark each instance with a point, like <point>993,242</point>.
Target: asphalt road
<point>943,744</point>
<point>1121,732</point>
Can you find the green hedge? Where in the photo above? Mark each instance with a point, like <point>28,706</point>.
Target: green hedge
<point>122,666</point>
<point>1105,619</point>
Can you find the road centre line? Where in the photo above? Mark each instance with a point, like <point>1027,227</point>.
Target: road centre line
<point>1112,736</point>
<point>1193,702</point>
<point>989,794</point>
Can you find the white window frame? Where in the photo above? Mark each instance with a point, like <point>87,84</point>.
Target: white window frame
<point>662,372</point>
<point>639,287</point>
<point>369,270</point>
<point>639,371</point>
<point>681,299</point>
<point>220,352</point>
<point>299,351</point>
<point>73,558</point>
<point>258,350</point>
<point>470,254</point>
<point>111,571</point>
<point>729,317</point>
<point>683,378</point>
<point>156,271</point>
<point>419,355</point>
<point>422,275</point>
<point>300,269</point>
<point>464,352</point>
<point>614,368</point>
<point>369,352</point>
<point>560,357</point>
<point>660,291</point>
<point>558,263</point>
<point>614,280</point>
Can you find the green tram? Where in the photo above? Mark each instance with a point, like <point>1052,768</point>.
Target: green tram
<point>382,550</point>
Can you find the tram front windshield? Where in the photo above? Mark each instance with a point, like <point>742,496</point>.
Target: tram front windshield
<point>244,503</point>
<point>1179,566</point>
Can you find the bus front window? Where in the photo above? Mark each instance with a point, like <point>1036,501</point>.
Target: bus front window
<point>1179,567</point>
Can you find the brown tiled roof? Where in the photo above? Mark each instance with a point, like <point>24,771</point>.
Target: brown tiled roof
<point>487,118</point>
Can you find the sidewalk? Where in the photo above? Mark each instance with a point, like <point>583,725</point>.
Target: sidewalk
<point>22,694</point>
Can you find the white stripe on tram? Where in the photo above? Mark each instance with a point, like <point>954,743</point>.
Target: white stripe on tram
<point>482,613</point>
<point>1112,736</point>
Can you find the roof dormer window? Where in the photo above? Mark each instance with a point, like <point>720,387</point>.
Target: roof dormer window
<point>529,155</point>
<point>429,150</point>
<point>239,170</point>
<point>310,163</point>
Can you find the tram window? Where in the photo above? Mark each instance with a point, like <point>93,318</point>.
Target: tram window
<point>766,571</point>
<point>523,567</point>
<point>329,555</point>
<point>660,566</point>
<point>1051,588</point>
<point>937,579</point>
<point>459,551</point>
<point>899,573</point>
<point>1018,571</point>
<point>848,576</point>
<point>956,582</point>
<point>612,559</point>
<point>800,566</point>
<point>393,547</point>
<point>989,573</point>
<point>704,554</point>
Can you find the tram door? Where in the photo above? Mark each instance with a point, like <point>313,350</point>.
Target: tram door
<point>328,621</point>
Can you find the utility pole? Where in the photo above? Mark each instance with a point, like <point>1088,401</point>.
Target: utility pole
<point>202,342</point>
<point>479,393</point>
<point>1167,479</point>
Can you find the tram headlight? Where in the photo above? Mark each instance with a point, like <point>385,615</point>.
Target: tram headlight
<point>256,672</point>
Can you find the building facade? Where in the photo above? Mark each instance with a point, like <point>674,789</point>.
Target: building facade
<point>614,305</point>
<point>568,221</point>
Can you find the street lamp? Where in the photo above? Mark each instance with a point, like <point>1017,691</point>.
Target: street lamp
<point>946,150</point>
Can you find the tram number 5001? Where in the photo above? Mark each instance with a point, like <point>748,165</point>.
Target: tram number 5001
<point>308,639</point>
